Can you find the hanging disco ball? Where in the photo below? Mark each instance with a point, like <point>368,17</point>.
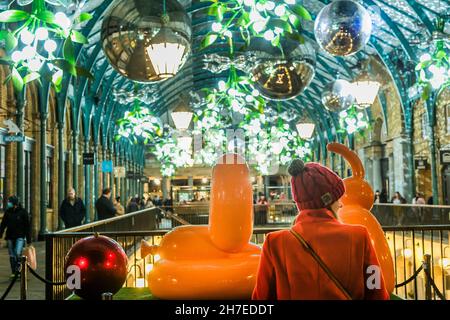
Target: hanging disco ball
<point>281,77</point>
<point>343,27</point>
<point>337,96</point>
<point>128,30</point>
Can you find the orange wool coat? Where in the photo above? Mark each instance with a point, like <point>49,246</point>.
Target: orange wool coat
<point>286,271</point>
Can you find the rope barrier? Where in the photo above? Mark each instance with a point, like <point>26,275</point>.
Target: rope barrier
<point>436,290</point>
<point>416,273</point>
<point>44,280</point>
<point>13,281</point>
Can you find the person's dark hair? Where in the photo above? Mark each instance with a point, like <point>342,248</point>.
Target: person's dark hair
<point>106,191</point>
<point>118,198</point>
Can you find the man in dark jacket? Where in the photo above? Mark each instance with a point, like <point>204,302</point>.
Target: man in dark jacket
<point>104,206</point>
<point>16,221</point>
<point>72,210</point>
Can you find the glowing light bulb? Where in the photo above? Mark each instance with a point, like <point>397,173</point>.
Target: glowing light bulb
<point>26,37</point>
<point>41,34</point>
<point>260,7</point>
<point>269,35</point>
<point>216,27</point>
<point>425,57</point>
<point>249,99</point>
<point>16,56</point>
<point>50,46</point>
<point>280,10</point>
<point>222,85</point>
<point>270,5</point>
<point>278,30</point>
<point>255,93</point>
<point>433,69</point>
<point>255,16</point>
<point>34,64</point>
<point>249,3</point>
<point>259,26</point>
<point>28,52</point>
<point>62,20</point>
<point>343,114</point>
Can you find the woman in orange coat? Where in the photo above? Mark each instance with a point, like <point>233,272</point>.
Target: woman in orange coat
<point>288,270</point>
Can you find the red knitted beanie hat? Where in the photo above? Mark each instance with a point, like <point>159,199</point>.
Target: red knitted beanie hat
<point>314,186</point>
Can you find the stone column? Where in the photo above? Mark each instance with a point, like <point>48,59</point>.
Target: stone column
<point>165,187</point>
<point>43,172</point>
<point>259,184</point>
<point>191,186</point>
<point>61,171</point>
<point>376,168</point>
<point>402,172</point>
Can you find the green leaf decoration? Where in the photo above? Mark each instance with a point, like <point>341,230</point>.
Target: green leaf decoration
<point>69,51</point>
<point>31,77</point>
<point>46,16</point>
<point>84,17</point>
<point>295,36</point>
<point>221,10</point>
<point>10,42</point>
<point>209,40</point>
<point>78,37</point>
<point>17,80</point>
<point>440,54</point>
<point>65,66</point>
<point>280,24</point>
<point>301,11</point>
<point>13,16</point>
<point>212,11</point>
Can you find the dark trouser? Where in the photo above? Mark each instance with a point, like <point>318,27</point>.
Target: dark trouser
<point>15,248</point>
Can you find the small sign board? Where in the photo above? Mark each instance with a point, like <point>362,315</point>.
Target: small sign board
<point>131,175</point>
<point>119,172</point>
<point>421,163</point>
<point>445,156</point>
<point>88,158</point>
<point>144,179</point>
<point>14,138</point>
<point>107,166</point>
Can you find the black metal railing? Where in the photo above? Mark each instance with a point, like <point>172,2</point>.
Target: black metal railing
<point>283,213</point>
<point>389,214</point>
<point>145,219</point>
<point>427,240</point>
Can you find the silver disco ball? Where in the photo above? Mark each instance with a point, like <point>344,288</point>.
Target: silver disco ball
<point>279,77</point>
<point>337,96</point>
<point>128,29</point>
<point>343,27</point>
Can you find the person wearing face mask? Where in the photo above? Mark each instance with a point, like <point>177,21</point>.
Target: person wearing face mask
<point>319,257</point>
<point>16,221</point>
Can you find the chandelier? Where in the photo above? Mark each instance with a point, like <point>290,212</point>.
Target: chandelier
<point>167,50</point>
<point>305,129</point>
<point>182,114</point>
<point>365,89</point>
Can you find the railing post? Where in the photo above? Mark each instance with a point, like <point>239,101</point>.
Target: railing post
<point>23,278</point>
<point>107,296</point>
<point>426,269</point>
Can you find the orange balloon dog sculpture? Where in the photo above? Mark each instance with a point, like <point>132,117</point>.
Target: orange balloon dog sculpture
<point>356,203</point>
<point>214,261</point>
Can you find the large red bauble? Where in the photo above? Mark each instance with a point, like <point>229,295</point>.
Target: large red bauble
<point>103,266</point>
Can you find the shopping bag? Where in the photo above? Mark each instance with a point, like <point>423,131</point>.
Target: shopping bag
<point>30,253</point>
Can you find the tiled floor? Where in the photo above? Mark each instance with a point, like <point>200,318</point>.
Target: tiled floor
<point>36,289</point>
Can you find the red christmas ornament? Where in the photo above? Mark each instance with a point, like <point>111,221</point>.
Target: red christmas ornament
<point>102,263</point>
